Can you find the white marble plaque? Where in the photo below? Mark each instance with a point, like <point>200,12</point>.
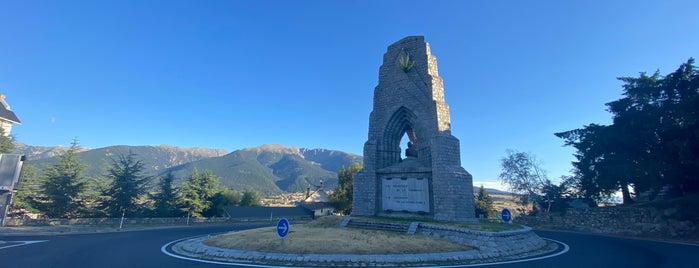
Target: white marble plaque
<point>405,194</point>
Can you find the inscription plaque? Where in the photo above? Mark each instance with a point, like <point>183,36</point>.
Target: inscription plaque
<point>405,194</point>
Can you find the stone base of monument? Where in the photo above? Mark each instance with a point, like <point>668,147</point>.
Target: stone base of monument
<point>490,247</point>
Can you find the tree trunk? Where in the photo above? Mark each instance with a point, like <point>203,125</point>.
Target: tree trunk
<point>625,194</point>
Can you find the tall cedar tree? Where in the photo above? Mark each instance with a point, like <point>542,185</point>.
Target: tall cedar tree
<point>166,197</point>
<point>653,140</point>
<point>62,187</point>
<point>342,197</point>
<point>127,186</point>
<point>198,192</point>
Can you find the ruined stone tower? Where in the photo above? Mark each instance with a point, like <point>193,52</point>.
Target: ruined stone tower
<point>429,182</point>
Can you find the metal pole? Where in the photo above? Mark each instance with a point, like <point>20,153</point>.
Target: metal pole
<point>6,208</point>
<point>121,223</point>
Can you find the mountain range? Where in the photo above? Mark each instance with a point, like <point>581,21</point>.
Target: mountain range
<point>269,169</point>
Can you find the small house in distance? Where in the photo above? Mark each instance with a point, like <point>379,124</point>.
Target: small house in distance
<point>7,116</point>
<point>318,201</point>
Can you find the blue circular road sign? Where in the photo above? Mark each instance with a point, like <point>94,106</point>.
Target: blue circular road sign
<point>506,215</point>
<point>283,227</point>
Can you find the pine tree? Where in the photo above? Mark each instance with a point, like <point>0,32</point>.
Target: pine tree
<point>62,187</point>
<point>6,143</point>
<point>29,185</point>
<point>652,142</point>
<point>484,203</point>
<point>166,198</point>
<point>127,187</point>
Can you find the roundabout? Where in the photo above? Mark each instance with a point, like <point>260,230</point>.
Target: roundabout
<point>204,254</point>
<point>492,248</point>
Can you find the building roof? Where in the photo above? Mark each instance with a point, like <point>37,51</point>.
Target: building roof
<point>6,113</point>
<point>319,196</point>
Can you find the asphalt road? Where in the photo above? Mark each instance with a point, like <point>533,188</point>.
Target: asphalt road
<point>118,249</point>
<point>142,249</point>
<point>602,251</point>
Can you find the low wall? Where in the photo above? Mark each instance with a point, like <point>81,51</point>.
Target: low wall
<point>632,221</point>
<point>113,222</point>
<point>489,244</point>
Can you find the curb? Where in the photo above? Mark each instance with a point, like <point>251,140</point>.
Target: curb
<point>194,249</point>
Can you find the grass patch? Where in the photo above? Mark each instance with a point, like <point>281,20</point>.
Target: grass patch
<point>491,226</point>
<point>325,236</point>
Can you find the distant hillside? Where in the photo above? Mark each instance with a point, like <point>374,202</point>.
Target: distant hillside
<point>491,191</point>
<point>269,169</point>
<point>155,158</point>
<point>272,169</point>
<point>40,152</point>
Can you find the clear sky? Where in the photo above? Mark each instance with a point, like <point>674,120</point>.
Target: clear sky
<point>238,74</point>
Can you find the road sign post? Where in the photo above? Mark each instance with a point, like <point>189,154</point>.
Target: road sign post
<point>506,215</point>
<point>283,228</point>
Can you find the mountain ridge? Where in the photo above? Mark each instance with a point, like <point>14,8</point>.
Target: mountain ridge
<point>268,168</point>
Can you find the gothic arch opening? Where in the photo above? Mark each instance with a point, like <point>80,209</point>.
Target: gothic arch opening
<point>401,134</point>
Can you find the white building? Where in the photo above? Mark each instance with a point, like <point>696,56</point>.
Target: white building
<point>7,116</point>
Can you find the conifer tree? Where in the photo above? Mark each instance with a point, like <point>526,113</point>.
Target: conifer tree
<point>166,197</point>
<point>484,203</point>
<point>6,143</point>
<point>26,191</point>
<point>198,192</point>
<point>342,197</point>
<point>62,187</point>
<point>127,186</point>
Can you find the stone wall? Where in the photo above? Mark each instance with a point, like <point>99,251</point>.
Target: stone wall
<point>114,222</point>
<point>630,221</point>
<point>489,244</point>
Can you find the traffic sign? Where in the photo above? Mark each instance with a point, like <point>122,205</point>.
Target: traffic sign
<point>506,215</point>
<point>282,227</point>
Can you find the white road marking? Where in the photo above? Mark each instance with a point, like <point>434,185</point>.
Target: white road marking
<point>21,243</point>
<point>163,249</point>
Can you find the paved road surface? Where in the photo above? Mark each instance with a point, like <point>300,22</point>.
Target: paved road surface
<point>142,249</point>
<point>601,251</point>
<point>120,249</point>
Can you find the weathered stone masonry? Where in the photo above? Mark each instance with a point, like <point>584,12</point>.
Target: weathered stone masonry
<point>411,101</point>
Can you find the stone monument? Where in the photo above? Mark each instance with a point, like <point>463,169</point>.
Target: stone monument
<point>429,183</point>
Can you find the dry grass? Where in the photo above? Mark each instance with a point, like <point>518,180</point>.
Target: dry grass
<point>501,201</point>
<point>325,236</point>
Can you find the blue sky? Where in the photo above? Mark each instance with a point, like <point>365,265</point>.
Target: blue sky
<point>238,74</point>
